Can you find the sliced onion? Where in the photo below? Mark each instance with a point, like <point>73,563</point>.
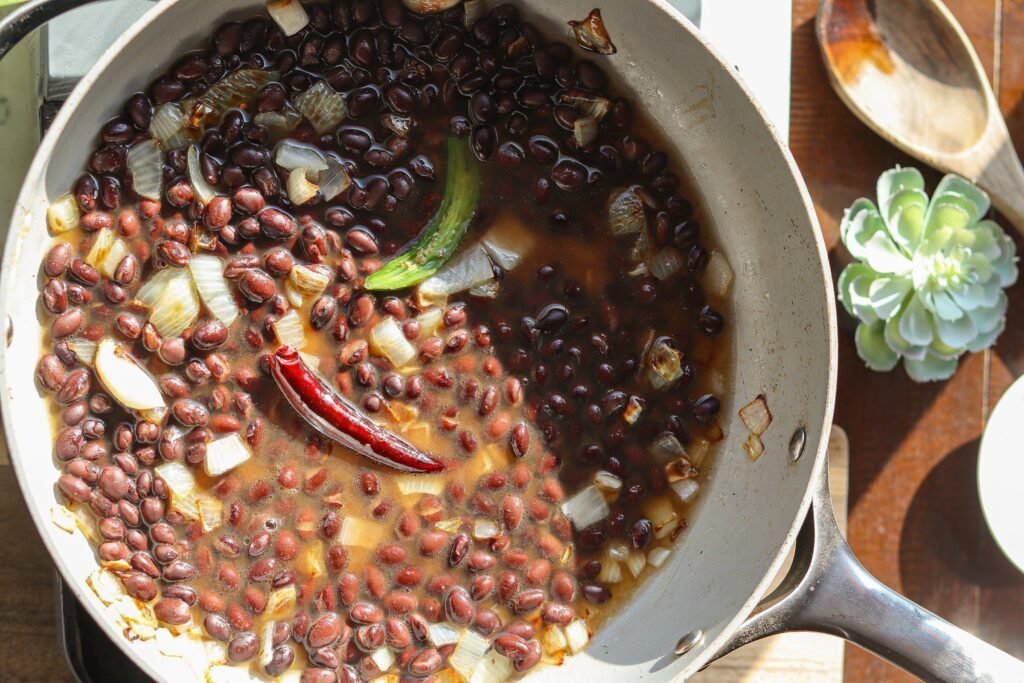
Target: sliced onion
<point>291,155</point>
<point>280,124</point>
<point>290,15</point>
<point>507,242</point>
<point>177,307</point>
<point>592,35</point>
<point>470,268</point>
<point>586,102</point>
<point>63,214</point>
<point>577,634</point>
<point>361,533</point>
<point>100,246</point>
<point>584,130</point>
<point>586,508</point>
<point>334,180</point>
<point>388,340</point>
<point>169,126</point>
<point>234,90</point>
<point>204,192</point>
<point>118,250</point>
<point>290,331</point>
<point>300,189</point>
<point>208,275</point>
<point>225,454</point>
<point>210,511</point>
<point>756,416</point>
<point>322,107</point>
<point>430,320</point>
<point>443,633</point>
<point>686,489</point>
<point>308,281</point>
<point>146,165</point>
<point>626,215</point>
<point>84,350</point>
<point>468,653</point>
<point>666,263</point>
<point>493,668</point>
<point>125,378</point>
<point>294,296</point>
<point>718,275</point>
<point>154,288</point>
<point>178,478</point>
<point>399,125</point>
<point>267,644</point>
<point>753,446</point>
<point>474,11</point>
<point>430,7</point>
<point>486,290</point>
<point>413,484</point>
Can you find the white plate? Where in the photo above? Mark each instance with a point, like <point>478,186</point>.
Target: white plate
<point>1001,471</point>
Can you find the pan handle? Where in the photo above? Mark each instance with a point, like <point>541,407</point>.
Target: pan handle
<point>27,18</point>
<point>827,590</point>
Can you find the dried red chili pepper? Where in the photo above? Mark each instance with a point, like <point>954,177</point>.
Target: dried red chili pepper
<point>338,419</point>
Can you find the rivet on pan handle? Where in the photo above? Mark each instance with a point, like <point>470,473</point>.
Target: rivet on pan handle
<point>827,590</point>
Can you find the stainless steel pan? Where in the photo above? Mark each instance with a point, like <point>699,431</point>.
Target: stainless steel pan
<point>707,599</point>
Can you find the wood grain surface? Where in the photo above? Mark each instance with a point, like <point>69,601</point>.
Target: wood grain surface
<point>915,520</point>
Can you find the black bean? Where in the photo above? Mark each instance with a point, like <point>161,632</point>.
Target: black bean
<point>705,408</point>
<point>569,174</point>
<point>711,321</point>
<point>483,140</point>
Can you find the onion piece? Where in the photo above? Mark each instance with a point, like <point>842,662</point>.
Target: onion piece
<point>657,556</point>
<point>118,250</point>
<point>210,513</point>
<point>291,16</point>
<point>322,107</point>
<point>553,639</point>
<point>635,563</point>
<point>225,454</point>
<point>280,124</point>
<point>310,561</point>
<point>177,307</point>
<point>399,125</point>
<point>473,11</point>
<point>146,166</point>
<point>361,533</point>
<point>234,90</point>
<point>430,7</point>
<point>334,180</point>
<point>291,155</point>
<point>470,268</point>
<point>282,600</point>
<point>586,102</point>
<point>100,246</point>
<point>384,658</point>
<point>608,482</point>
<point>468,653</point>
<point>63,214</point>
<point>178,478</point>
<point>718,275</point>
<point>294,296</point>
<point>507,242</point>
<point>753,446</point>
<point>412,484</point>
<point>665,364</point>
<point>208,275</point>
<point>204,192</point>
<point>267,644</point>
<point>154,287</point>
<point>443,633</point>
<point>586,508</point>
<point>577,634</point>
<point>592,35</point>
<point>308,281</point>
<point>484,529</point>
<point>611,571</point>
<point>300,189</point>
<point>430,321</point>
<point>486,290</point>
<point>388,340</point>
<point>584,130</point>
<point>289,330</point>
<point>686,489</point>
<point>756,416</point>
<point>84,350</point>
<point>169,126</point>
<point>626,215</point>
<point>666,263</point>
<point>666,446</point>
<point>125,378</point>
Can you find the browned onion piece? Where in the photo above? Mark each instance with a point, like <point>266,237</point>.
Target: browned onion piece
<point>592,35</point>
<point>430,6</point>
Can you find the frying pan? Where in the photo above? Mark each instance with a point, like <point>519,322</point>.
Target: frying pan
<point>709,597</point>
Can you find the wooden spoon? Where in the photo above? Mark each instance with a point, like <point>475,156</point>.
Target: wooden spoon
<point>907,69</point>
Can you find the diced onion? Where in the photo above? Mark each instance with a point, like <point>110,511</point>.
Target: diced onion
<point>666,446</point>
<point>177,307</point>
<point>388,340</point>
<point>384,658</point>
<point>635,563</point>
<point>587,103</point>
<point>661,511</point>
<point>584,130</point>
<point>507,242</point>
<point>154,287</point>
<point>84,350</point>
<point>105,585</point>
<point>146,165</point>
<point>484,529</point>
<point>686,489</point>
<point>279,124</point>
<point>168,126</point>
<point>680,469</point>
<point>308,281</point>
<point>178,478</point>
<point>267,644</point>
<point>225,454</point>
<point>310,561</point>
<point>756,416</point>
<point>412,484</point>
<point>234,90</point>
<point>100,246</point>
<point>657,556</point>
<point>577,634</point>
<point>611,571</point>
<point>63,518</point>
<point>718,275</point>
<point>281,600</point>
<point>592,35</point>
<point>553,639</point>
<point>469,269</point>
<point>486,290</point>
<point>322,107</point>
<point>493,668</point>
<point>468,653</point>
<point>430,7</point>
<point>430,320</point>
<point>666,364</point>
<point>63,214</point>
<point>294,296</point>
<point>697,451</point>
<point>617,551</point>
<point>633,410</point>
<point>334,180</point>
<point>626,214</point>
<point>204,192</point>
<point>361,533</point>
<point>586,508</point>
<point>473,11</point>
<point>443,633</point>
<point>290,331</point>
<point>291,155</point>
<point>188,506</point>
<point>208,275</point>
<point>665,263</point>
<point>210,511</point>
<point>399,125</point>
<point>291,16</point>
<point>125,378</point>
<point>754,446</point>
<point>300,189</point>
<point>112,259</point>
<point>606,481</point>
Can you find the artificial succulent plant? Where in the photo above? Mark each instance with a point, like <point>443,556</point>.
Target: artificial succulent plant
<point>928,277</point>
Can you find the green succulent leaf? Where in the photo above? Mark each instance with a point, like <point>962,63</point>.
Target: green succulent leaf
<point>988,318</point>
<point>954,190</point>
<point>955,333</point>
<point>887,294</point>
<point>897,343</point>
<point>873,349</point>
<point>914,323</point>
<point>847,278</point>
<point>945,307</point>
<point>930,368</point>
<point>987,339</point>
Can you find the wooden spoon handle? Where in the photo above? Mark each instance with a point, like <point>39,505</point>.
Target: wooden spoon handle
<point>1003,178</point>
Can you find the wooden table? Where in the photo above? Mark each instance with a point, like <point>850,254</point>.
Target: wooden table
<point>915,520</point>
